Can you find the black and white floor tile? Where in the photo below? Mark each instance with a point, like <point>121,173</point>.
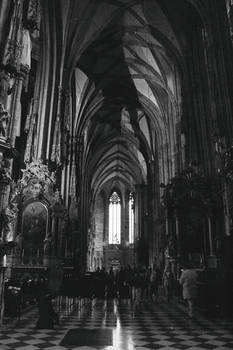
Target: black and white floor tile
<point>153,326</point>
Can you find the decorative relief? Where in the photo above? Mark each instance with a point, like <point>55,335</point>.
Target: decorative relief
<point>190,184</point>
<point>6,88</point>
<point>25,20</point>
<point>35,219</point>
<point>36,180</point>
<point>13,48</point>
<point>9,218</point>
<point>31,14</point>
<point>5,169</point>
<point>4,120</point>
<point>37,169</point>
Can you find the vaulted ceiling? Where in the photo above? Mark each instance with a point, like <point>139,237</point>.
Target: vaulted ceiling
<point>124,60</point>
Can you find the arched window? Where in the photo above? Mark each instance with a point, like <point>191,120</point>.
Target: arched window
<point>131,218</point>
<point>114,219</point>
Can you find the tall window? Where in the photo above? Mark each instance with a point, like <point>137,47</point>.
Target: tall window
<point>131,218</point>
<point>114,219</point>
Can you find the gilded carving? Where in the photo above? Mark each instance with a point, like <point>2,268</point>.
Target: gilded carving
<point>36,178</point>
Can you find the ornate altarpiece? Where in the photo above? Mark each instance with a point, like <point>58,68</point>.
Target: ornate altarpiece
<point>36,221</point>
<point>192,201</point>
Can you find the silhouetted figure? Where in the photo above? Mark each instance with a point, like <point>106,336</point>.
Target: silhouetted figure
<point>111,285</point>
<point>154,283</point>
<point>47,316</point>
<point>168,282</point>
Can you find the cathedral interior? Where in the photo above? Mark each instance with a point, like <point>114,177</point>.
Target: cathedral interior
<point>116,153</point>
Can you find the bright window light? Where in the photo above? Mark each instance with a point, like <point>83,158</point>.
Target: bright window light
<point>131,218</point>
<point>114,219</point>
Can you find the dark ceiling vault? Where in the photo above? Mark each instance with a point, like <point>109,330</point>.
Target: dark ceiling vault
<point>129,56</point>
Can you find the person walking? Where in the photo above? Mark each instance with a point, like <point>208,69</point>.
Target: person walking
<point>189,282</point>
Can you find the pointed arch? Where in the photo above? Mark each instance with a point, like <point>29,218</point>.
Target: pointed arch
<point>114,206</point>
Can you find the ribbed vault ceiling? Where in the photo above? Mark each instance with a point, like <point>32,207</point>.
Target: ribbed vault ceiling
<point>127,59</point>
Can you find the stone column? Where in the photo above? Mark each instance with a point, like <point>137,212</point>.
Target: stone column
<point>211,259</point>
<point>4,193</point>
<point>4,11</point>
<point>210,236</point>
<point>226,207</point>
<point>2,283</point>
<point>166,222</point>
<point>177,245</point>
<point>15,110</point>
<point>177,234</point>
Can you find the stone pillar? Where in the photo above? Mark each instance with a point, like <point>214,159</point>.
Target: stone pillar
<point>15,110</point>
<point>210,236</point>
<point>177,246</point>
<point>211,259</point>
<point>2,283</point>
<point>177,234</point>
<point>226,207</point>
<point>166,222</point>
<point>4,193</point>
<point>4,11</point>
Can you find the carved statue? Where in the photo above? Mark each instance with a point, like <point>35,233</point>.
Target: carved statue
<point>5,87</point>
<point>36,188</point>
<point>58,197</point>
<point>4,119</point>
<point>73,210</point>
<point>5,169</point>
<point>27,47</point>
<point>19,243</point>
<point>37,171</point>
<point>9,216</point>
<point>73,214</point>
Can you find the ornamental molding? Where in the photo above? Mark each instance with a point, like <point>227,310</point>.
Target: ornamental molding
<point>191,185</point>
<point>36,170</point>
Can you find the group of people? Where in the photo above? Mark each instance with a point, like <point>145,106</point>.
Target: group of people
<point>127,282</point>
<point>140,284</point>
<point>135,284</point>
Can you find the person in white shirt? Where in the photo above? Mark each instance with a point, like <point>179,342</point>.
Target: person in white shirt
<point>189,282</point>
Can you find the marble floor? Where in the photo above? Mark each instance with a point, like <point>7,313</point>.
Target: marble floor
<point>108,325</point>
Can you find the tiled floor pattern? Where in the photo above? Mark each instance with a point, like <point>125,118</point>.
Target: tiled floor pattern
<point>161,326</point>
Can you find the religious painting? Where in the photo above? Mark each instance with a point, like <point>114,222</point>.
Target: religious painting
<point>34,228</point>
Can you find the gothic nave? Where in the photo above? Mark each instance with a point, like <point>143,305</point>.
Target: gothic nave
<point>116,165</point>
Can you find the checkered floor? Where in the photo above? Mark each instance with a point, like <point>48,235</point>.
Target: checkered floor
<point>153,326</point>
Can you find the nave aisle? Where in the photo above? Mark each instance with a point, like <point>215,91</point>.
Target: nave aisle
<point>108,325</point>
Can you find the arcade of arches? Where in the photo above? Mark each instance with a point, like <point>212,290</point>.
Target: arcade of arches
<point>116,136</point>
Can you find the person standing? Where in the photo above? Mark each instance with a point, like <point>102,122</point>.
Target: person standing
<point>189,282</point>
<point>168,282</point>
<point>154,283</point>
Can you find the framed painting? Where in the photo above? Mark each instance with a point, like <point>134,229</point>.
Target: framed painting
<point>34,226</point>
